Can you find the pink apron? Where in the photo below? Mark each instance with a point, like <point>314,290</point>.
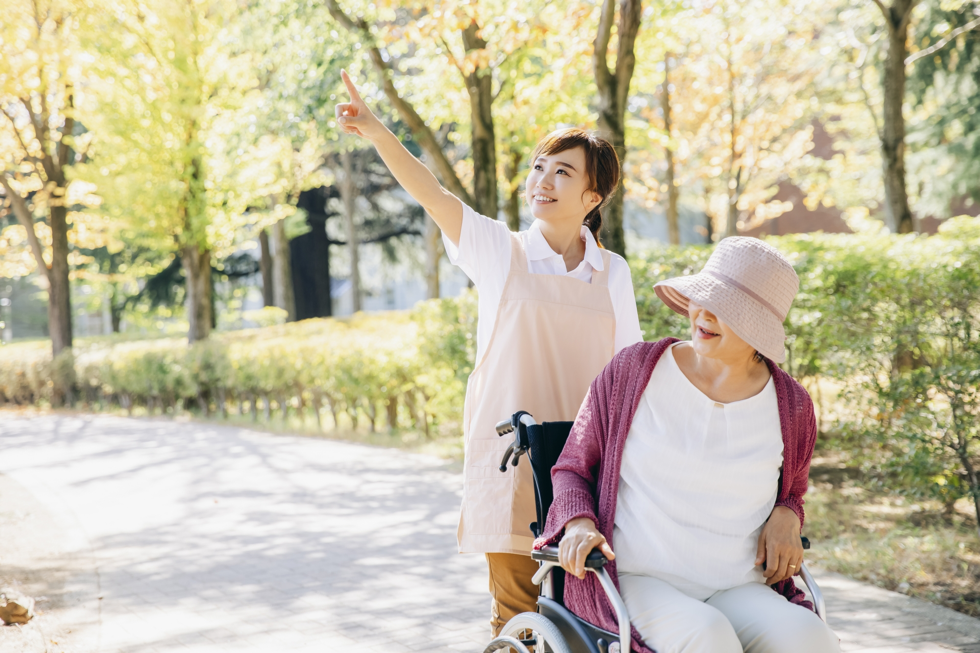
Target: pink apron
<point>552,336</point>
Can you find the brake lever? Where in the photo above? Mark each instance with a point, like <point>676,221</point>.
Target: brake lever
<point>506,458</point>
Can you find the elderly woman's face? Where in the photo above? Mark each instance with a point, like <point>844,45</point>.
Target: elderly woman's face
<point>712,338</point>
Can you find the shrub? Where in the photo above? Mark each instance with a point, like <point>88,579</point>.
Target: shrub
<point>402,370</point>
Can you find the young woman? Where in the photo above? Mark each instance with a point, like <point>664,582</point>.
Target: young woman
<point>554,308</point>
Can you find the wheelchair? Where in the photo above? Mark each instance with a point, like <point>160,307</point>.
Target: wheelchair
<point>553,628</point>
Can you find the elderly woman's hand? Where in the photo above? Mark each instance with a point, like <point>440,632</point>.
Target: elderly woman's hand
<point>780,546</point>
<point>581,536</point>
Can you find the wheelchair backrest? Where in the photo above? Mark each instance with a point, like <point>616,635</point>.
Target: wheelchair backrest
<point>545,444</point>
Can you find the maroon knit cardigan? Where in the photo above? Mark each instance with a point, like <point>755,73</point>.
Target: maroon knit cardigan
<point>586,476</point>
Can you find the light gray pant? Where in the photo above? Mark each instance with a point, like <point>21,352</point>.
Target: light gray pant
<point>750,618</point>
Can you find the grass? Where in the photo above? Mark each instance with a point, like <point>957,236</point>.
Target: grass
<point>892,542</point>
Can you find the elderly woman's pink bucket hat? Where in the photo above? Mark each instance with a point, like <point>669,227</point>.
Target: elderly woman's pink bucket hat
<point>749,285</point>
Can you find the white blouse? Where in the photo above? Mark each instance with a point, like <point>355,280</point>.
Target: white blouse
<point>484,255</point>
<point>698,481</point>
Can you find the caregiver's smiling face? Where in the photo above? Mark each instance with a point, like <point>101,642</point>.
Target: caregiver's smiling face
<point>558,187</point>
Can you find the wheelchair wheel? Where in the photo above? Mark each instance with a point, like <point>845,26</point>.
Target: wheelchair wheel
<point>537,633</point>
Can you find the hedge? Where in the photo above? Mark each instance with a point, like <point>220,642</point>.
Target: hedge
<point>402,370</point>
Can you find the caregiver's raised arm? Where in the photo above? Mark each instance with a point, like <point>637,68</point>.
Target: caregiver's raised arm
<point>355,118</point>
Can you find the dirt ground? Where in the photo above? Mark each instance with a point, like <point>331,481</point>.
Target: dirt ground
<point>898,543</point>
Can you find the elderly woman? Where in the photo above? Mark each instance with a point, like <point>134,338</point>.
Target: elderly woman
<point>690,461</point>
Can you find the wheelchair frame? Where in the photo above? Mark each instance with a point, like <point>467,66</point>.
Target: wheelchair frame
<point>579,635</point>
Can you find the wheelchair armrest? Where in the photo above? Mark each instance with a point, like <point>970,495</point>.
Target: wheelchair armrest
<point>595,559</point>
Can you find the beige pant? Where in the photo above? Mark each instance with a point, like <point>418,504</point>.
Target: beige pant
<point>511,589</point>
<point>750,618</point>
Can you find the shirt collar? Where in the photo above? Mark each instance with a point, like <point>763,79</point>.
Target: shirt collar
<point>538,248</point>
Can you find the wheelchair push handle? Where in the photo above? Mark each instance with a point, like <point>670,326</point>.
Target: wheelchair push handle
<point>518,423</point>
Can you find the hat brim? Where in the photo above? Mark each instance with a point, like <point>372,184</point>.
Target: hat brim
<point>749,319</point>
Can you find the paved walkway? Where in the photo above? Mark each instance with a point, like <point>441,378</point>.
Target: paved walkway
<point>164,536</point>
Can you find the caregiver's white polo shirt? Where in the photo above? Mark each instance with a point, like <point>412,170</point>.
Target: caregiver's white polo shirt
<point>484,255</point>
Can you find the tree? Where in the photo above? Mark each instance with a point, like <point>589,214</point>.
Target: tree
<point>373,210</point>
<point>479,86</point>
<point>898,16</point>
<point>283,167</point>
<point>673,228</point>
<point>265,268</point>
<point>738,120</point>
<point>40,74</point>
<point>767,68</point>
<point>348,193</point>
<point>944,90</point>
<point>419,128</point>
<point>848,100</point>
<point>545,81</point>
<point>613,87</point>
<point>887,157</point>
<point>654,151</point>
<point>489,40</point>
<point>297,68</point>
<point>170,121</point>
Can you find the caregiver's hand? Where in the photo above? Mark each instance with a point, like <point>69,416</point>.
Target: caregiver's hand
<point>780,546</point>
<point>355,117</point>
<point>581,536</point>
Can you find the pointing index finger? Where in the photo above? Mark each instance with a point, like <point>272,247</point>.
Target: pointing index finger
<point>354,95</point>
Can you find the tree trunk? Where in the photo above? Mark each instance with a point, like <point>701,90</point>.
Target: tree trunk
<point>972,482</point>
<point>348,192</point>
<point>316,403</point>
<point>59,290</point>
<point>433,254</point>
<point>391,410</point>
<point>55,156</point>
<point>731,223</point>
<point>512,206</point>
<point>479,86</point>
<point>57,274</point>
<point>613,90</point>
<point>897,211</point>
<point>282,272</point>
<point>197,269</point>
<point>265,268</point>
<point>115,309</point>
<point>673,227</point>
<point>734,174</point>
